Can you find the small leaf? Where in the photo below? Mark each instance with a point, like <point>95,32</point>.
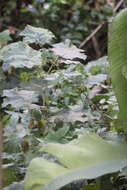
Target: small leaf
<point>36,35</point>
<point>4,37</point>
<point>19,55</point>
<point>98,66</point>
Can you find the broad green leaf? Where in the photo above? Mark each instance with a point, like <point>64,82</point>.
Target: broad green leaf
<point>19,98</point>
<point>19,55</point>
<point>87,157</point>
<point>36,35</point>
<point>117,52</point>
<point>57,136</point>
<point>68,51</point>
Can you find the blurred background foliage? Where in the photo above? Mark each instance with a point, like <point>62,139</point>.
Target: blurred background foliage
<point>67,19</point>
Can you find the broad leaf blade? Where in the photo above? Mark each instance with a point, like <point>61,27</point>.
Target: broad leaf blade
<point>36,35</point>
<point>68,51</point>
<point>90,172</point>
<point>19,55</point>
<point>19,98</point>
<point>87,157</point>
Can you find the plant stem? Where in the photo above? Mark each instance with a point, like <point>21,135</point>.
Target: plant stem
<point>104,183</point>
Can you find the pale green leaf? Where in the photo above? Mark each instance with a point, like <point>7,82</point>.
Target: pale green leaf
<point>19,98</point>
<point>36,35</point>
<point>68,51</point>
<point>85,158</point>
<point>4,37</point>
<point>19,55</point>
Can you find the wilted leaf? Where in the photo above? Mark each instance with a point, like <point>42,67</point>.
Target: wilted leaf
<point>19,98</point>
<point>68,51</point>
<point>36,35</point>
<point>80,159</point>
<point>19,55</point>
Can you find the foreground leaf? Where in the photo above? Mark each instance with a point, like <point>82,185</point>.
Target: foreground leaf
<point>19,55</point>
<point>85,158</point>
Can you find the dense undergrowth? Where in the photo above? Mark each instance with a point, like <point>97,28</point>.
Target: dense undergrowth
<point>49,92</point>
<point>49,95</point>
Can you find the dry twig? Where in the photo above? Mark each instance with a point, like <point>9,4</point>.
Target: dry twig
<point>100,25</point>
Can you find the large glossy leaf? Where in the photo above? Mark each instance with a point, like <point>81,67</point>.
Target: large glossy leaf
<point>117,50</point>
<point>36,35</point>
<point>87,157</point>
<point>19,55</point>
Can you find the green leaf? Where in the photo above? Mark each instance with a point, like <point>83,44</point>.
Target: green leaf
<point>4,37</point>
<point>57,136</point>
<point>19,55</point>
<point>89,187</point>
<point>98,66</point>
<point>71,114</point>
<point>8,172</point>
<point>68,51</point>
<point>85,158</point>
<point>19,98</point>
<point>124,71</point>
<point>36,35</point>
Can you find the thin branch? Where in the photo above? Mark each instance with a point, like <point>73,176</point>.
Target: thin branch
<point>118,6</point>
<point>91,35</point>
<point>100,25</point>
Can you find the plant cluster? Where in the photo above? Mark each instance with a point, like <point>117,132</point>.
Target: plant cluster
<point>51,106</point>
